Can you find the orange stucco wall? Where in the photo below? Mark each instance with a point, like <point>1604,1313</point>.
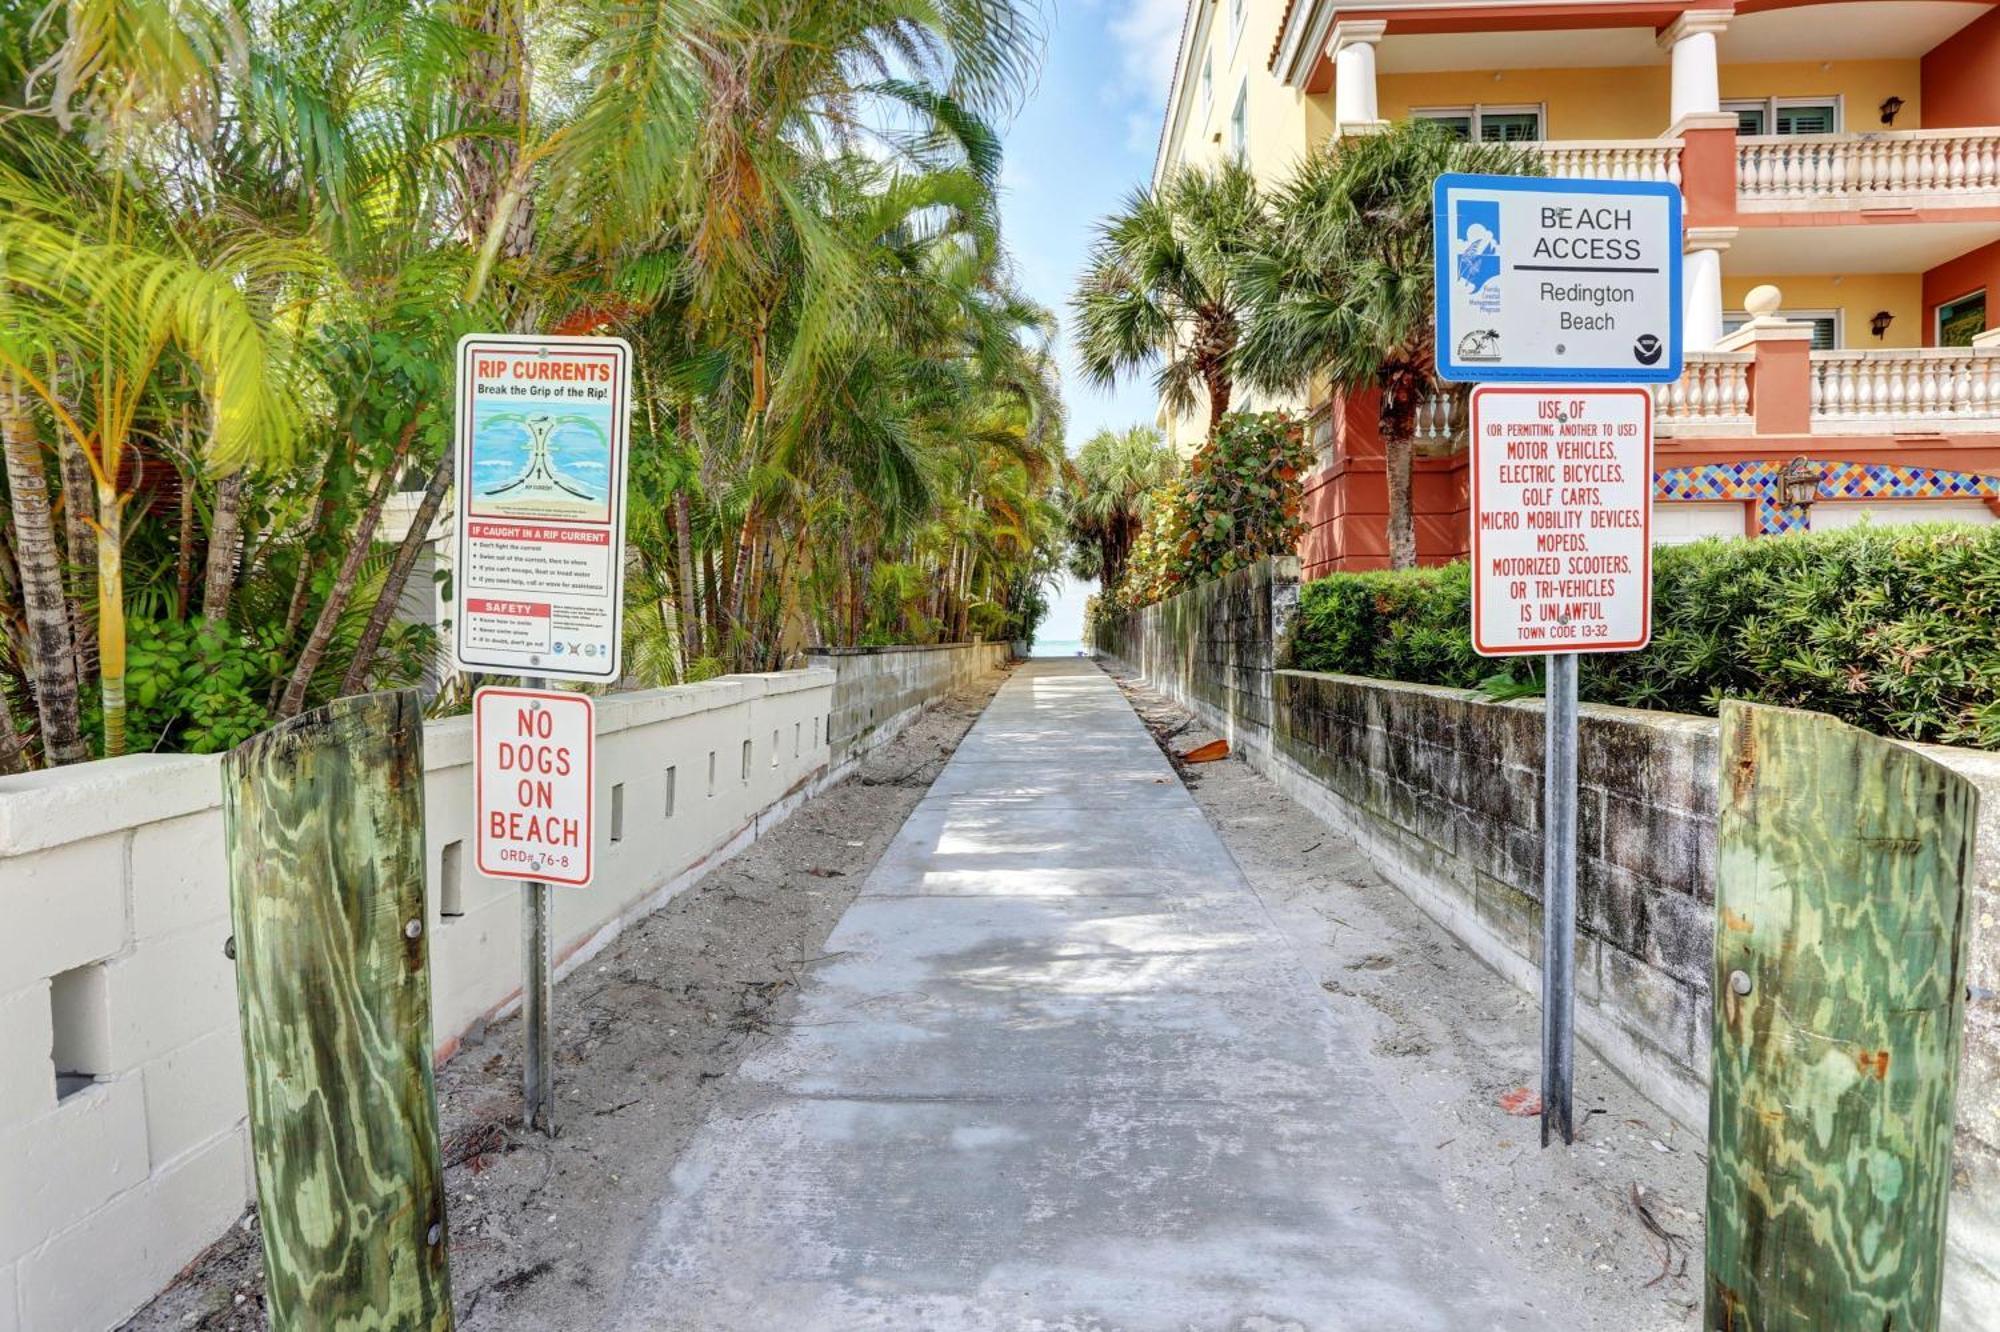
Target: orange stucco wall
<point>1962,76</point>
<point>1958,277</point>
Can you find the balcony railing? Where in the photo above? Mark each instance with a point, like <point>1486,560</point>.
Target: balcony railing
<point>1884,392</point>
<point>1614,159</point>
<point>1904,168</point>
<point>1712,396</point>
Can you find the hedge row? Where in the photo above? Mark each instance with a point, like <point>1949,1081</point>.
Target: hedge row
<point>1893,629</point>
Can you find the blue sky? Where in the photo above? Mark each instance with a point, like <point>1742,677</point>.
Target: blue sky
<point>1083,141</point>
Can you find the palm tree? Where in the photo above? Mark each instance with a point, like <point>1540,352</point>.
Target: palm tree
<point>1107,487</point>
<point>1162,290</point>
<point>1344,290</point>
<point>49,646</point>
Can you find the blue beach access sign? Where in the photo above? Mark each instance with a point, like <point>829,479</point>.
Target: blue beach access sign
<point>1545,281</point>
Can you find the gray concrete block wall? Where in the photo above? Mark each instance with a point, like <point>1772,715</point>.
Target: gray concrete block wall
<point>879,690</point>
<point>1213,646</point>
<point>1446,793</point>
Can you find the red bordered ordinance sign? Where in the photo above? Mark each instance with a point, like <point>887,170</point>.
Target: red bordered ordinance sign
<point>1562,519</point>
<point>542,426</point>
<point>533,784</point>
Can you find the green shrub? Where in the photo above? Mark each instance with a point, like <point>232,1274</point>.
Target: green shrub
<point>195,687</point>
<point>1893,629</point>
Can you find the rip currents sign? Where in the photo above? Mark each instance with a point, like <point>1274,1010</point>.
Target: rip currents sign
<point>542,427</point>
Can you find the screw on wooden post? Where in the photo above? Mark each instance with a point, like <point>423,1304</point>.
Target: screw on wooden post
<point>1843,867</point>
<point>324,824</point>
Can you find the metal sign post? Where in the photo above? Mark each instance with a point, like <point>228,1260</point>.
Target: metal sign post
<point>542,442</point>
<point>1558,282</point>
<point>1562,564</point>
<point>1559,898</point>
<point>538,1069</point>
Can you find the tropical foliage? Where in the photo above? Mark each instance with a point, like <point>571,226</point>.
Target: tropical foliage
<point>1239,498</point>
<point>1110,488</point>
<point>1163,288</point>
<point>1322,284</point>
<point>237,247</point>
<point>1343,295</point>
<point>1893,629</point>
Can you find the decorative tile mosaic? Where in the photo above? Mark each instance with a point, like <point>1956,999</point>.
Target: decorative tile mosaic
<point>1757,480</point>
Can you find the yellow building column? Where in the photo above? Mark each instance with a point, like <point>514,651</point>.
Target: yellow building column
<point>1352,49</point>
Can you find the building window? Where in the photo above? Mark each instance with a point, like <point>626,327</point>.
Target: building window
<point>1239,123</point>
<point>1786,115</point>
<point>1239,10</point>
<point>1826,325</point>
<point>1488,124</point>
<point>1207,82</point>
<point>1962,320</point>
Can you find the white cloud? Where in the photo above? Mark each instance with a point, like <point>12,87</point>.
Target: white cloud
<point>1148,33</point>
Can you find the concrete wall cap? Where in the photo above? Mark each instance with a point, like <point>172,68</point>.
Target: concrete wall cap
<point>39,810</point>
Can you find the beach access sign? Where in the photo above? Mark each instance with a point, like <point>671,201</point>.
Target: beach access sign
<point>533,795</point>
<point>1557,281</point>
<point>542,427</point>
<point>1562,520</point>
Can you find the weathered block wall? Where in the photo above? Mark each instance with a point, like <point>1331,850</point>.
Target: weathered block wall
<point>114,890</point>
<point>1213,646</point>
<point>1972,1269</point>
<point>1444,791</point>
<point>879,690</point>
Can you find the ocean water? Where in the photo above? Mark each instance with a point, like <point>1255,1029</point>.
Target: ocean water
<point>1057,647</point>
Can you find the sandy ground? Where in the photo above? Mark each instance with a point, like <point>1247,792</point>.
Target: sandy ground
<point>646,1036</point>
<point>1450,1037</point>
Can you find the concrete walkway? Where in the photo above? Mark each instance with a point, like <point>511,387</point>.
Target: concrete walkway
<point>1059,1072</point>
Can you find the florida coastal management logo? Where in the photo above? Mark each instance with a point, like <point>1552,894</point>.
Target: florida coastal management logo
<point>1475,232</point>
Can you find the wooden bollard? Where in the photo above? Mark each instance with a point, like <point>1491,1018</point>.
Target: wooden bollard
<point>1844,864</point>
<point>324,820</point>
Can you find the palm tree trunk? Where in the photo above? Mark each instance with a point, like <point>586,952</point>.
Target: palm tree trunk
<point>391,596</point>
<point>111,613</point>
<point>79,485</point>
<point>1401,452</point>
<point>690,606</point>
<point>13,745</point>
<point>51,649</point>
<point>712,600</point>
<point>342,591</point>
<point>225,537</point>
<point>184,550</point>
<point>1219,392</point>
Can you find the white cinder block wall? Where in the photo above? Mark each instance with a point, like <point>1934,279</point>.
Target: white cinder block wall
<point>114,909</point>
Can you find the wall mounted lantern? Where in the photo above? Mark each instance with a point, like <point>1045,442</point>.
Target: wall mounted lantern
<point>1798,484</point>
<point>1880,323</point>
<point>1889,109</point>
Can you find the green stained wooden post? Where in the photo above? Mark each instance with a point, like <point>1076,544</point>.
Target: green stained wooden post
<point>325,827</point>
<point>1838,994</point>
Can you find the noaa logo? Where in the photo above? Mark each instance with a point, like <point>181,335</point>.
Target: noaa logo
<point>1646,349</point>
